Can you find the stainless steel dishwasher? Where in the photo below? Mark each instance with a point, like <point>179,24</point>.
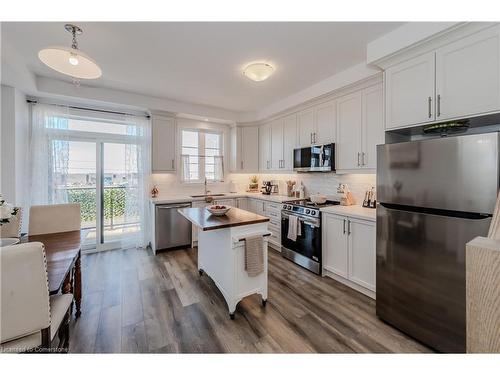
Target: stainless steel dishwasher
<point>171,228</point>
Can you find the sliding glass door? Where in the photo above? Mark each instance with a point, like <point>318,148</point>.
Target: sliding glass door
<point>99,161</point>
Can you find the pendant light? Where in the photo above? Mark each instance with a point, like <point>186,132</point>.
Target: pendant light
<point>70,61</point>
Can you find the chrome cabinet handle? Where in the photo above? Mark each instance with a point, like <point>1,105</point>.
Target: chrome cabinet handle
<point>348,227</point>
<point>343,228</point>
<point>311,137</point>
<point>439,106</point>
<point>430,105</point>
<point>363,158</point>
<point>315,138</point>
<point>358,159</point>
<point>172,163</point>
<point>242,164</point>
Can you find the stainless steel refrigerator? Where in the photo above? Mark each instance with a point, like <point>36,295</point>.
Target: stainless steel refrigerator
<point>434,196</point>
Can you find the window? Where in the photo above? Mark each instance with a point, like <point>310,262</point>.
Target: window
<point>201,156</point>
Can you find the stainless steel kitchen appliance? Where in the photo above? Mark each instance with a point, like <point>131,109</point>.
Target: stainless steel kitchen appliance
<point>315,158</point>
<point>172,230</point>
<point>306,249</point>
<point>434,196</point>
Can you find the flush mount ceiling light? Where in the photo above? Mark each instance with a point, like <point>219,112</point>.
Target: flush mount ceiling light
<point>70,61</point>
<point>258,71</point>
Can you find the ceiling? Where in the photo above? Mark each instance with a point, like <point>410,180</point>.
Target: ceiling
<point>201,63</point>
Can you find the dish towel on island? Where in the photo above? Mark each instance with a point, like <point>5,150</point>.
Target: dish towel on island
<point>294,228</point>
<point>254,255</point>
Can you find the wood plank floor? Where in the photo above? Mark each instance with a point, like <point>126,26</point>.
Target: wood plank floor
<point>135,302</point>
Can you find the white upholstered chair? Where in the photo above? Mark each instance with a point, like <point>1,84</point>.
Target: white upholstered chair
<point>13,227</point>
<point>29,317</point>
<point>54,218</point>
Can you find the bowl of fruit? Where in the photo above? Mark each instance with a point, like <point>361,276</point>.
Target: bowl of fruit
<point>218,209</point>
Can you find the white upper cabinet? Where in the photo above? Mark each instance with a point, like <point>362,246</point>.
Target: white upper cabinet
<point>460,79</point>
<point>305,123</point>
<point>468,76</point>
<point>360,128</point>
<point>276,141</point>
<point>410,92</point>
<point>325,123</point>
<point>289,141</point>
<point>372,131</point>
<point>265,148</point>
<point>276,144</point>
<point>317,125</point>
<point>249,148</point>
<point>163,134</point>
<point>349,119</point>
<point>244,149</point>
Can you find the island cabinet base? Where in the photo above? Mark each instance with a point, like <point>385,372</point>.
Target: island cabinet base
<point>221,255</point>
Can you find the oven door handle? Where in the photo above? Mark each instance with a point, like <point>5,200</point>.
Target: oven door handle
<point>313,223</point>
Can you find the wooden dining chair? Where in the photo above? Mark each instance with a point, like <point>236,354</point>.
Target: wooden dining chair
<point>12,229</point>
<point>30,318</point>
<point>54,218</point>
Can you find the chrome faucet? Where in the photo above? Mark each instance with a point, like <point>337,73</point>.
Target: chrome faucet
<point>208,198</point>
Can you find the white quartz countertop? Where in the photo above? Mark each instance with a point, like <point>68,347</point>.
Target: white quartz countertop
<point>358,212</point>
<point>185,198</point>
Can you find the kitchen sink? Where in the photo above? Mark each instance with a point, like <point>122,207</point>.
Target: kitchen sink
<point>207,195</point>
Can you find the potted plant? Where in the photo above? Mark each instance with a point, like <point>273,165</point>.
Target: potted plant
<point>7,212</point>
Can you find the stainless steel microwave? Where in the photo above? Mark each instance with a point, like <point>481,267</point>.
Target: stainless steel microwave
<point>316,158</point>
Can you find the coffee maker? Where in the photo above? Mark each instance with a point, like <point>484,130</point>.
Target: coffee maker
<point>266,188</point>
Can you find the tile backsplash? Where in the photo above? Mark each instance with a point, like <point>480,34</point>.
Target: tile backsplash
<point>324,183</point>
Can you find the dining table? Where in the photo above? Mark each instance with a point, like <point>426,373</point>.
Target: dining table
<point>63,255</point>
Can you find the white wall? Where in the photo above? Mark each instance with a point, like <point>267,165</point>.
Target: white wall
<point>14,150</point>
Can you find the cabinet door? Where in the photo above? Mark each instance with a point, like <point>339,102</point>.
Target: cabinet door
<point>305,123</point>
<point>235,136</point>
<point>249,148</point>
<point>289,141</point>
<point>163,144</point>
<point>242,203</point>
<point>265,147</point>
<point>348,145</point>
<point>335,251</point>
<point>225,202</point>
<point>325,123</point>
<point>410,92</point>
<point>372,131</point>
<point>362,253</point>
<point>276,144</point>
<point>468,76</point>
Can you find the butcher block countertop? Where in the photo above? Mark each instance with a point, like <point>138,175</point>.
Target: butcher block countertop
<point>233,218</point>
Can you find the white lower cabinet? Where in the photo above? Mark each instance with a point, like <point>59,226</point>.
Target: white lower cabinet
<point>242,203</point>
<point>349,251</point>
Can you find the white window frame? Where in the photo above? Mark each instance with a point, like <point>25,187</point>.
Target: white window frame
<point>201,151</point>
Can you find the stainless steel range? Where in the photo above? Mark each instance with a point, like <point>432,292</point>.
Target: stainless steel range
<point>305,250</point>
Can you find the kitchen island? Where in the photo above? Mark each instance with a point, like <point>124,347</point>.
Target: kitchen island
<point>221,251</point>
